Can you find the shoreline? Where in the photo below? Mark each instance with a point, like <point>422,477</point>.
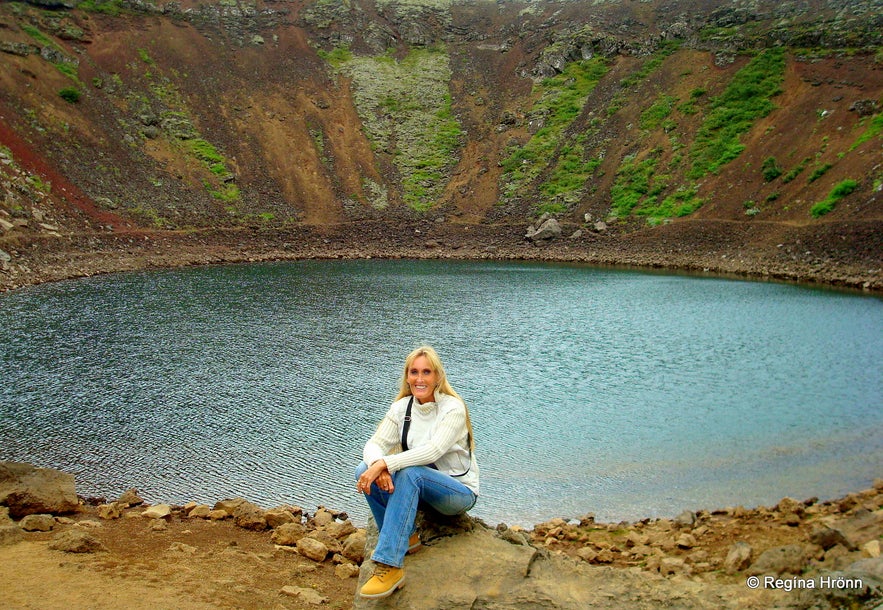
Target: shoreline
<point>289,557</point>
<point>41,258</point>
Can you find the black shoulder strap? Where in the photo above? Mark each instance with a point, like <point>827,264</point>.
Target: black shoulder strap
<point>407,425</point>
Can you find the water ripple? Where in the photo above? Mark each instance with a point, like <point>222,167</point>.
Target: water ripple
<point>623,394</point>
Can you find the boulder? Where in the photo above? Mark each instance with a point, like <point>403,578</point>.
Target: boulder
<point>10,534</point>
<point>37,523</point>
<point>288,534</point>
<point>309,596</point>
<point>160,511</point>
<point>474,567</point>
<point>547,231</point>
<point>27,490</point>
<point>250,516</point>
<point>200,511</point>
<point>738,557</point>
<point>110,511</point>
<point>279,516</point>
<point>130,498</point>
<point>312,549</point>
<point>76,541</point>
<point>354,546</point>
<point>827,537</point>
<point>789,559</point>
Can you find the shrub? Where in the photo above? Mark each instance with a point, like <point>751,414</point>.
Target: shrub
<point>770,169</point>
<point>796,171</point>
<point>819,172</point>
<point>70,94</point>
<point>830,202</point>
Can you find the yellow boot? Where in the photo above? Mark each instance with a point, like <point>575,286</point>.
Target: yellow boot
<point>385,581</point>
<point>414,544</point>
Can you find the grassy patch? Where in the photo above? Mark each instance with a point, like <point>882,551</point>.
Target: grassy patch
<point>107,7</point>
<point>682,202</point>
<point>38,36</point>
<point>406,111</point>
<point>830,202</point>
<point>654,116</point>
<point>665,49</point>
<point>632,184</point>
<point>337,56</point>
<point>746,99</point>
<point>561,101</point>
<point>873,130</point>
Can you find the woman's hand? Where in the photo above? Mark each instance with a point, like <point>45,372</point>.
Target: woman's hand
<point>378,473</point>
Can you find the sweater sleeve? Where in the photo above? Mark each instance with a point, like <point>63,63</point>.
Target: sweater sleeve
<point>385,438</point>
<point>449,430</point>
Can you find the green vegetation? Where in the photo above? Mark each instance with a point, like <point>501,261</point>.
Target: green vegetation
<point>145,57</point>
<point>689,107</point>
<point>70,94</point>
<point>746,99</point>
<point>406,111</point>
<point>208,154</point>
<point>819,172</point>
<point>654,116</point>
<point>337,57</point>
<point>665,49</point>
<point>561,101</point>
<point>770,169</point>
<point>830,202</point>
<point>796,171</point>
<point>873,130</point>
<point>633,182</point>
<point>39,36</point>
<point>107,7</point>
<point>682,202</point>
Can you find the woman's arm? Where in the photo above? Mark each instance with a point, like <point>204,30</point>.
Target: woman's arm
<point>449,430</point>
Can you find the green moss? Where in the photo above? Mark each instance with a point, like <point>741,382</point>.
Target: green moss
<point>746,99</point>
<point>632,184</point>
<point>145,57</point>
<point>796,170</point>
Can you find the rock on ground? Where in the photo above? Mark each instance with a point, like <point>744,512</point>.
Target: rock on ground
<point>26,490</point>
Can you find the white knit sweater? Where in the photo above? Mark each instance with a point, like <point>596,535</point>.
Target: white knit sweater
<point>438,435</point>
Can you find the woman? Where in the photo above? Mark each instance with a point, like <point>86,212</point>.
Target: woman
<point>421,451</point>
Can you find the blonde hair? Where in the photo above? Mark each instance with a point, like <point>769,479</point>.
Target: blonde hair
<point>442,386</point>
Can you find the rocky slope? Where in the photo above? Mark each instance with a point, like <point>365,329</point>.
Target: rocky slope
<point>733,136</point>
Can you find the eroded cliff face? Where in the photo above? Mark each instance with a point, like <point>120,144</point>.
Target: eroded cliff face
<point>121,114</point>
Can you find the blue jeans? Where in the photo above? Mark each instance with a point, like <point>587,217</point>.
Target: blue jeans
<point>394,513</point>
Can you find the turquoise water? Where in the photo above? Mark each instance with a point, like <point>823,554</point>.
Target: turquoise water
<point>620,393</point>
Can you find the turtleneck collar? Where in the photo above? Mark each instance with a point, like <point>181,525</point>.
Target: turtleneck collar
<point>429,405</point>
